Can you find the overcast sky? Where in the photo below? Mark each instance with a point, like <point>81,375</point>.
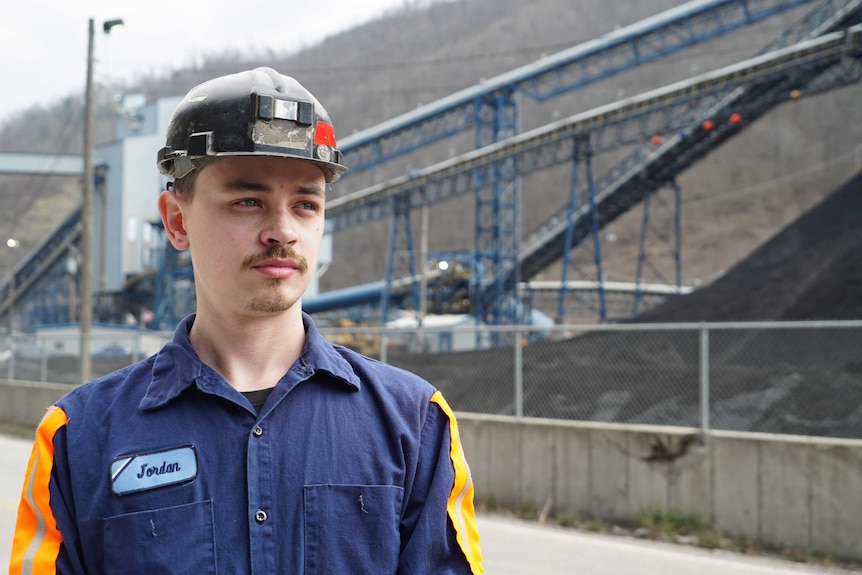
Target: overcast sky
<point>44,42</point>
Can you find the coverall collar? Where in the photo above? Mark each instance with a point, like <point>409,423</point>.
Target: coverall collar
<point>177,367</point>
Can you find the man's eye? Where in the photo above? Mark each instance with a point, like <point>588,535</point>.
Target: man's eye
<point>308,206</point>
<point>248,203</point>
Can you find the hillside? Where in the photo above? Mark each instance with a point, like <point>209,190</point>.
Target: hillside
<point>733,201</point>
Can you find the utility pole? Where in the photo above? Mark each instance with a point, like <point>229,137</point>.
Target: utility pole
<point>85,314</point>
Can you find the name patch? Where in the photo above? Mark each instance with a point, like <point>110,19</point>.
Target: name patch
<point>131,473</point>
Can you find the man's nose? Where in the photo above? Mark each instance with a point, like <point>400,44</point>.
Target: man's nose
<point>279,229</point>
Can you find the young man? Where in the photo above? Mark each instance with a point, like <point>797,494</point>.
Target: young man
<point>249,444</point>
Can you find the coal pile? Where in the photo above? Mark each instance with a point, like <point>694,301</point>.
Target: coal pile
<point>810,270</point>
<point>778,381</point>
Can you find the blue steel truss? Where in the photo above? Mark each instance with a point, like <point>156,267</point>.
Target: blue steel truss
<point>174,295</point>
<point>497,216</point>
<point>492,109</point>
<point>643,171</point>
<point>582,152</point>
<point>643,256</point>
<point>669,111</point>
<point>751,88</point>
<point>495,116</point>
<point>401,234</point>
<point>624,49</point>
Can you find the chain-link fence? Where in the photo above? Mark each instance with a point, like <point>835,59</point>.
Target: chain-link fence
<point>52,354</point>
<point>778,377</point>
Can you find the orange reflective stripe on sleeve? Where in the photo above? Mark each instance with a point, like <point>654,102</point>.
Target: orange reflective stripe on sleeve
<point>37,539</point>
<point>460,505</point>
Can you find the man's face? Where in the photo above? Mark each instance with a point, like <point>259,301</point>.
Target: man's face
<point>253,226</point>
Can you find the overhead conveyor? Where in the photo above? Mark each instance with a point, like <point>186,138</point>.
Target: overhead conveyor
<point>492,108</point>
<point>628,121</point>
<point>18,163</point>
<point>824,63</point>
<point>623,49</point>
<point>49,255</point>
<point>752,87</point>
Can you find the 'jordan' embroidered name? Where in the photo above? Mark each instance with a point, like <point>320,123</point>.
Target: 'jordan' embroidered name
<point>131,473</point>
<point>166,467</point>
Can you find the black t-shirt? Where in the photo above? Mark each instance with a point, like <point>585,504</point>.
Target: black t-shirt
<point>257,397</point>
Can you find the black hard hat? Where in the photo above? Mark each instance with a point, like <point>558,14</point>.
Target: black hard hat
<point>253,113</point>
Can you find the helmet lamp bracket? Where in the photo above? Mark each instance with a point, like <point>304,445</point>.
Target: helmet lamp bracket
<point>269,108</point>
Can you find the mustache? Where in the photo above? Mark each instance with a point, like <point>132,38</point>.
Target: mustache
<point>277,253</point>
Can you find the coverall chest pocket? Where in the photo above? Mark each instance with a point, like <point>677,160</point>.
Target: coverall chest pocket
<point>352,529</point>
<point>171,540</point>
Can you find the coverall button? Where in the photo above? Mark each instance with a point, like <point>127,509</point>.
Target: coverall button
<point>257,431</point>
<point>260,515</point>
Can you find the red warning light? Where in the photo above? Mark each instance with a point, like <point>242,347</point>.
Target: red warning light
<point>708,125</point>
<point>735,118</point>
<point>656,140</point>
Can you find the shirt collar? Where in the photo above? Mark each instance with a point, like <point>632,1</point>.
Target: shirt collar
<point>177,366</point>
<point>321,356</point>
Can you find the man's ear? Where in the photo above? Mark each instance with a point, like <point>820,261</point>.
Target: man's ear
<point>171,210</point>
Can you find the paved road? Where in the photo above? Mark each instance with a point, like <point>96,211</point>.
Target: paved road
<point>511,547</point>
<point>14,454</point>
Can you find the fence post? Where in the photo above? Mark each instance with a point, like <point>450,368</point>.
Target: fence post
<point>12,350</point>
<point>704,379</point>
<point>519,374</point>
<point>384,347</point>
<point>136,350</point>
<point>43,363</point>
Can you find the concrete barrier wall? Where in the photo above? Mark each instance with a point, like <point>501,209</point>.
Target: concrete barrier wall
<point>24,402</point>
<point>794,491</point>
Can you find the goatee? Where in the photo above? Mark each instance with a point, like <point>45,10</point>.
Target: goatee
<point>275,301</point>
